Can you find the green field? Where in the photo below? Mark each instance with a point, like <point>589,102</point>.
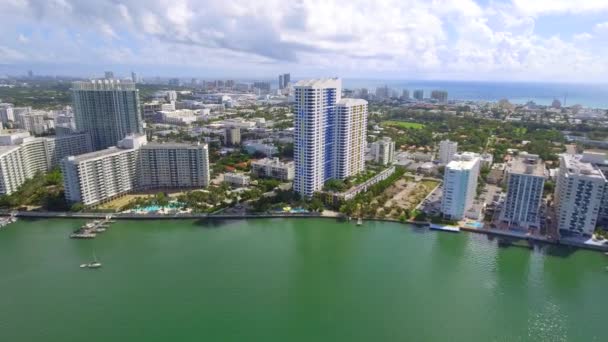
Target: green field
<point>403,124</point>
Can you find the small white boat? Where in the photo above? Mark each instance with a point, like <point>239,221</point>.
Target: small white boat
<point>359,221</point>
<point>95,264</point>
<point>83,265</point>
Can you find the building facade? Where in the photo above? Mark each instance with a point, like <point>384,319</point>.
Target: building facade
<point>526,175</point>
<point>447,150</point>
<point>232,136</point>
<point>383,151</point>
<point>108,110</point>
<point>273,168</point>
<point>350,134</point>
<point>579,191</point>
<point>102,175</point>
<point>460,185</point>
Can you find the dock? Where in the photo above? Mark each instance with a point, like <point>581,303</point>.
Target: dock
<point>5,221</point>
<point>445,228</point>
<point>90,229</point>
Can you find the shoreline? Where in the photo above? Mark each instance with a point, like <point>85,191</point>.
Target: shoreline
<point>121,216</point>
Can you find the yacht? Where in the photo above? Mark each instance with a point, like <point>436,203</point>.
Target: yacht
<point>359,221</point>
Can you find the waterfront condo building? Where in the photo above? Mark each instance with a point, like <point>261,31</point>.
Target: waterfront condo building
<point>578,195</point>
<point>23,156</point>
<point>106,109</point>
<point>447,150</point>
<point>133,164</point>
<point>526,176</point>
<point>383,151</point>
<point>329,134</point>
<point>460,185</point>
<point>350,142</point>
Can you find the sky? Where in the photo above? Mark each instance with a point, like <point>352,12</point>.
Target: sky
<point>509,40</point>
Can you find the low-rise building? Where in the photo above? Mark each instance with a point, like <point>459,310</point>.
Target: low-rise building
<point>273,168</point>
<point>238,180</point>
<point>179,117</point>
<point>266,149</point>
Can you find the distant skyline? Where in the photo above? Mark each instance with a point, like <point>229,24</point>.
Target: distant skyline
<point>512,40</point>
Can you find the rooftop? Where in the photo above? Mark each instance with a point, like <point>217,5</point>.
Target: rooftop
<point>575,166</point>
<point>98,154</point>
<point>103,84</point>
<point>463,161</point>
<point>529,164</point>
<point>334,82</point>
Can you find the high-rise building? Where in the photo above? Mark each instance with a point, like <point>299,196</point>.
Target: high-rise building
<point>439,95</point>
<point>286,80</point>
<point>108,110</point>
<point>22,156</point>
<point>383,151</point>
<point>447,150</point>
<point>100,176</point>
<point>176,82</point>
<point>109,75</point>
<point>460,185</point>
<point>405,94</point>
<point>419,94</point>
<point>328,132</point>
<point>281,82</point>
<point>133,77</point>
<point>232,136</point>
<point>263,87</point>
<point>526,176</point>
<point>350,133</point>
<point>383,92</point>
<point>34,122</point>
<point>578,195</point>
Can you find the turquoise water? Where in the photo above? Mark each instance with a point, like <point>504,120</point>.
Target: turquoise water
<point>292,280</point>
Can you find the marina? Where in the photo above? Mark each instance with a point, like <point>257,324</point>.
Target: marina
<point>90,229</point>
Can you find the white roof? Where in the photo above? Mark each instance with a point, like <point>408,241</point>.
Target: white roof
<point>334,82</point>
<point>351,102</point>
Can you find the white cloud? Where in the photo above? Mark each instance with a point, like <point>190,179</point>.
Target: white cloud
<point>583,37</point>
<point>601,27</point>
<point>538,7</point>
<point>447,38</point>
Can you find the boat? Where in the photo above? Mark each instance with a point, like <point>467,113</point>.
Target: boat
<point>94,264</point>
<point>83,265</point>
<point>359,221</point>
<point>606,254</point>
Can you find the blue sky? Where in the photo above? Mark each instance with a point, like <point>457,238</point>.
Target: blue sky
<point>514,40</point>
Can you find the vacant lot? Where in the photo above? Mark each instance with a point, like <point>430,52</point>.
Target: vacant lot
<point>403,124</point>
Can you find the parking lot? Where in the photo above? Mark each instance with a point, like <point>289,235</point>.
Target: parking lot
<point>432,204</point>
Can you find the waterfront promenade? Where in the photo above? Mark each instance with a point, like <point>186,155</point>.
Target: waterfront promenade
<point>325,214</point>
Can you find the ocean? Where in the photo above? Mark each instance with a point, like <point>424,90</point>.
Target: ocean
<point>587,95</point>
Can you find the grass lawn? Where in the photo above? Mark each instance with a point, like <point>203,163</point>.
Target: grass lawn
<point>403,124</point>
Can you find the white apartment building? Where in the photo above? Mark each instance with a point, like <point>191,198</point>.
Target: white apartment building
<point>99,176</point>
<point>460,185</point>
<point>35,122</point>
<point>578,195</point>
<point>6,113</point>
<point>174,165</point>
<point>526,176</point>
<point>273,168</point>
<point>350,142</point>
<point>328,137</point>
<point>25,156</point>
<point>447,150</point>
<point>383,151</point>
<point>236,179</point>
